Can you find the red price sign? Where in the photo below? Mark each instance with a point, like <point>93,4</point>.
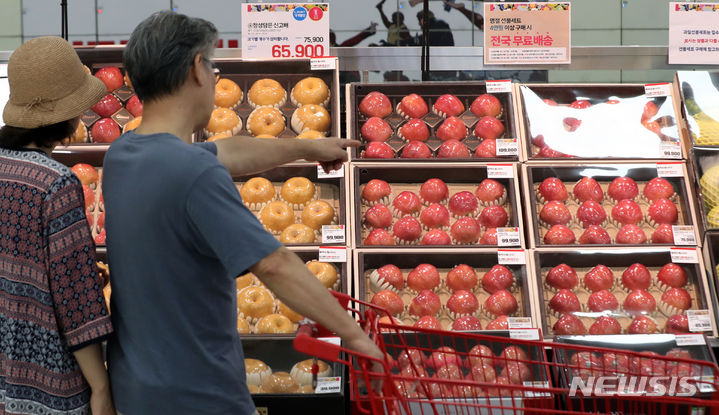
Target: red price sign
<point>298,51</point>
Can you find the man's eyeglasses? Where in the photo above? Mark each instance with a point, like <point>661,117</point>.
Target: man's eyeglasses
<point>215,70</point>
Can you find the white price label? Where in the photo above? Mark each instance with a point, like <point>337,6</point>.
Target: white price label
<point>508,237</point>
<point>499,86</point>
<point>333,234</point>
<point>684,255</point>
<point>322,174</point>
<point>319,64</point>
<point>684,235</point>
<point>329,385</point>
<point>536,384</point>
<point>519,322</point>
<point>524,334</point>
<point>333,254</point>
<point>705,385</point>
<point>332,340</point>
<point>689,339</point>
<point>671,150</point>
<point>285,30</point>
<point>507,147</point>
<point>500,171</point>
<point>511,257</point>
<point>663,89</point>
<point>699,320</point>
<point>670,169</point>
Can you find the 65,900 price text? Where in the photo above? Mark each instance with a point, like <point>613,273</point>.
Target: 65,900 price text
<point>300,51</point>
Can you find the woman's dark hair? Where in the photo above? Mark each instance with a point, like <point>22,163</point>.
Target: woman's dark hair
<point>161,50</point>
<point>45,136</point>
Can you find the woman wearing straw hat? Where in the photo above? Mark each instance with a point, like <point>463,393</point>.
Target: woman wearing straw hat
<point>52,312</point>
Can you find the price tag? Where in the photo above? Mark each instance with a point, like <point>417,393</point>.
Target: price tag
<point>684,235</point>
<point>536,384</point>
<point>285,30</point>
<point>670,169</point>
<point>333,234</point>
<point>329,385</point>
<point>689,339</point>
<point>524,334</point>
<point>699,320</point>
<point>671,150</point>
<point>519,322</point>
<point>508,237</point>
<point>511,257</point>
<point>333,254</point>
<point>663,89</point>
<point>500,171</point>
<point>507,147</point>
<point>319,64</point>
<point>332,340</point>
<point>499,86</point>
<point>684,255</point>
<point>322,174</point>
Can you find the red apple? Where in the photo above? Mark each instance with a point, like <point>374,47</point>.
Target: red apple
<point>111,77</point>
<point>550,102</point>
<point>105,130</point>
<point>580,104</point>
<point>107,106</point>
<point>378,150</point>
<point>86,173</point>
<point>416,150</point>
<point>650,110</point>
<point>448,105</point>
<point>134,106</point>
<point>376,129</point>
<point>486,104</point>
<point>571,124</point>
<point>452,129</point>
<point>453,149</point>
<point>412,106</point>
<point>486,149</point>
<point>488,127</point>
<point>375,104</point>
<point>414,130</point>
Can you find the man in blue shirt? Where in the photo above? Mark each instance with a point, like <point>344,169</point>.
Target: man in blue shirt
<point>178,234</point>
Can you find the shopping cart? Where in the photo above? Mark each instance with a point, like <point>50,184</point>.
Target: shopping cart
<point>438,372</point>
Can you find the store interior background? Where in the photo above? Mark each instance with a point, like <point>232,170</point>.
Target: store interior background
<point>607,23</point>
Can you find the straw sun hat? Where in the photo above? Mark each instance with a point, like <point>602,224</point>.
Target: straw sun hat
<point>48,84</point>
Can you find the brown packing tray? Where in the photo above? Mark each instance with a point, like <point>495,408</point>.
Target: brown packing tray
<point>402,177</point>
<point>395,91</point>
<point>481,260</point>
<point>608,143</point>
<point>571,172</point>
<point>307,254</point>
<point>331,190</point>
<point>617,260</point>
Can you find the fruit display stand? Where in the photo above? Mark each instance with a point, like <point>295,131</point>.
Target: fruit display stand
<point>391,211</point>
<point>597,121</point>
<point>434,121</point>
<point>463,289</point>
<point>586,203</point>
<point>280,356</point>
<point>281,209</point>
<point>620,291</point>
<point>634,375</point>
<point>700,99</point>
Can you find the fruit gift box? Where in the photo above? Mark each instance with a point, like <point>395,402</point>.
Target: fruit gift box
<point>280,378</point>
<point>700,98</point>
<point>274,99</point>
<point>446,370</point>
<point>615,121</point>
<point>704,162</point>
<point>428,204</point>
<point>260,312</point>
<point>637,367</point>
<point>610,204</point>
<point>446,121</point>
<point>459,290</point>
<point>620,291</point>
<point>296,204</point>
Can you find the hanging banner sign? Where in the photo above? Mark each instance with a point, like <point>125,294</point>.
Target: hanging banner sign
<point>694,33</point>
<point>285,30</point>
<point>527,33</point>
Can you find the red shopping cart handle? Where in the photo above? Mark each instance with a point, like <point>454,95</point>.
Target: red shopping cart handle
<point>305,342</point>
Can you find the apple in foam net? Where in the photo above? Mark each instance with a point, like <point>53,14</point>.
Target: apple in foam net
<point>672,275</point>
<point>452,129</point>
<point>416,150</point>
<point>413,106</point>
<point>414,130</point>
<point>499,323</point>
<point>423,277</point>
<point>375,190</point>
<point>591,213</point>
<point>105,130</point>
<point>552,188</point>
<point>599,278</point>
<point>565,301</point>
<point>663,234</point>
<point>555,213</point>
<point>376,129</point>
<point>461,277</point>
<point>663,211</point>
<point>426,303</point>
<point>378,216</point>
<point>407,203</point>
<point>378,150</point>
<point>678,323</point>
<point>636,277</point>
<point>379,237</point>
<point>466,323</point>
<point>605,325</point>
<point>488,127</point>
<point>448,105</point>
<point>134,106</point>
<point>407,229</point>
<point>559,235</point>
<point>643,325</point>
<point>588,189</point>
<point>428,322</point>
<point>639,302</point>
<point>497,278</point>
<point>111,77</point>
<point>465,230</point>
<point>602,300</point>
<point>489,237</point>
<point>658,188</point>
<point>375,104</point>
<point>453,149</point>
<point>677,298</point>
<point>436,237</point>
<point>434,216</point>
<point>433,191</point>
<point>462,303</point>
<point>489,190</point>
<point>562,277</point>
<point>631,234</point>
<point>569,324</point>
<point>390,301</point>
<point>501,303</point>
<point>627,211</point>
<point>486,104</point>
<point>392,275</point>
<point>595,235</point>
<point>463,203</point>
<point>623,188</point>
<point>493,216</point>
<point>107,106</point>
